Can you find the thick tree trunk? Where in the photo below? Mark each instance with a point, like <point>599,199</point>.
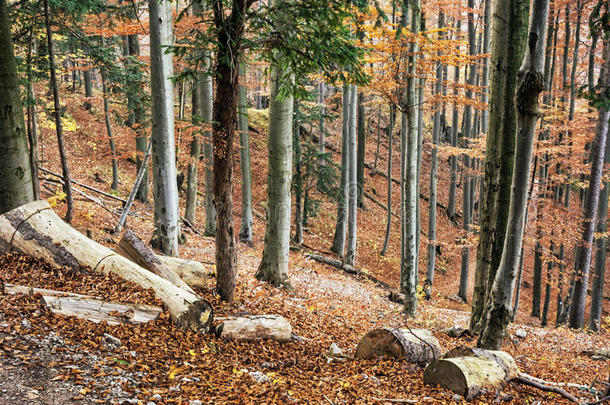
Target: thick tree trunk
<point>255,327</point>
<point>354,188</point>
<point>409,259</point>
<point>341,227</point>
<point>57,113</point>
<point>583,259</point>
<point>15,173</point>
<point>245,229</point>
<point>274,264</point>
<point>36,230</point>
<point>416,346</point>
<point>165,188</point>
<point>509,39</point>
<point>530,84</point>
<point>470,372</point>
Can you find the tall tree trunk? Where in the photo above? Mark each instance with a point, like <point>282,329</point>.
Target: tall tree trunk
<point>245,230</point>
<point>190,206</point>
<point>15,174</point>
<point>508,44</point>
<point>298,177</point>
<point>341,228</point>
<point>361,130</point>
<point>486,60</point>
<point>87,74</point>
<point>378,139</point>
<point>229,33</point>
<point>274,264</point>
<point>601,244</point>
<point>530,84</point>
<point>32,128</point>
<point>354,188</point>
<point>165,188</point>
<point>436,130</point>
<point>105,91</point>
<point>408,276</point>
<point>583,259</point>
<point>453,162</point>
<point>547,289</point>
<point>388,228</point>
<point>322,126</point>
<point>57,113</point>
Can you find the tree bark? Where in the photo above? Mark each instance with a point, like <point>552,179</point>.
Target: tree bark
<point>245,230</point>
<point>388,228</point>
<point>416,346</point>
<point>454,141</point>
<point>530,84</point>
<point>354,188</point>
<point>255,327</point>
<point>15,172</point>
<point>274,264</point>
<point>583,259</point>
<point>57,113</point>
<point>361,130</point>
<point>165,188</point>
<point>509,39</point>
<point>338,246</point>
<point>115,165</point>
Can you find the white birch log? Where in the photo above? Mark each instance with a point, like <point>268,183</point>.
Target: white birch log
<point>255,327</point>
<point>417,346</point>
<point>36,230</point>
<point>469,372</point>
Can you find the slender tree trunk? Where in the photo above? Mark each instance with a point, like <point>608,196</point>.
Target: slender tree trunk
<point>486,60</point>
<point>322,136</point>
<point>354,189</point>
<point>530,84</point>
<point>361,130</point>
<point>378,139</point>
<point>454,141</point>
<point>165,188</point>
<point>537,281</point>
<point>57,112</point>
<point>115,165</point>
<point>15,174</point>
<point>245,230</point>
<point>88,87</point>
<point>274,264</point>
<point>388,228</point>
<point>409,258</point>
<point>591,70</point>
<point>509,39</point>
<point>583,260</point>
<point>340,229</point>
<point>601,244</point>
<point>547,290</point>
<point>32,130</point>
<point>436,130</point>
<point>298,177</point>
<point>190,206</point>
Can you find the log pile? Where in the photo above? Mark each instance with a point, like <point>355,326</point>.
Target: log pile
<point>36,230</point>
<point>417,346</point>
<point>470,371</point>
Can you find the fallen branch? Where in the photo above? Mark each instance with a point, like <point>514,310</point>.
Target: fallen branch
<point>395,401</point>
<point>521,379</point>
<point>382,205</point>
<point>345,267</point>
<point>105,194</point>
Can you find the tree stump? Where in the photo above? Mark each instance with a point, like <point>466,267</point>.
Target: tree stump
<point>417,346</point>
<point>469,372</point>
<point>255,327</point>
<point>34,229</point>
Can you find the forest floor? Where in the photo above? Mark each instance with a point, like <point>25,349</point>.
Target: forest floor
<point>51,359</point>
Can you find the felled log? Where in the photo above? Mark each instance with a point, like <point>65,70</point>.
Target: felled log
<point>36,230</point>
<point>417,346</point>
<point>469,371</point>
<point>84,306</point>
<point>132,248</point>
<point>191,271</point>
<point>605,353</point>
<point>255,327</point>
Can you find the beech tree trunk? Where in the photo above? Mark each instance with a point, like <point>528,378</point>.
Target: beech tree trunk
<point>341,227</point>
<point>508,45</point>
<point>15,172</point>
<point>36,230</point>
<point>583,259</point>
<point>115,165</point>
<point>454,141</point>
<point>245,230</point>
<point>361,141</point>
<point>165,187</point>
<point>530,84</point>
<point>416,346</point>
<point>274,264</point>
<point>388,228</point>
<point>57,114</point>
<point>354,188</point>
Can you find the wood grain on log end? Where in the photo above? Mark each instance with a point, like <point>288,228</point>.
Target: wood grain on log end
<point>417,346</point>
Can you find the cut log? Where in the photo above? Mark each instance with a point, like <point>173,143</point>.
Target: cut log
<point>36,230</point>
<point>469,372</point>
<point>417,346</point>
<point>255,327</point>
<point>87,307</point>
<point>132,248</point>
<point>191,271</point>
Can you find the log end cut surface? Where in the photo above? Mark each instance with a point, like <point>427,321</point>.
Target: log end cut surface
<point>417,346</point>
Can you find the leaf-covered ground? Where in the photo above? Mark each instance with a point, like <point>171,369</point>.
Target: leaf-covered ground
<point>47,358</point>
